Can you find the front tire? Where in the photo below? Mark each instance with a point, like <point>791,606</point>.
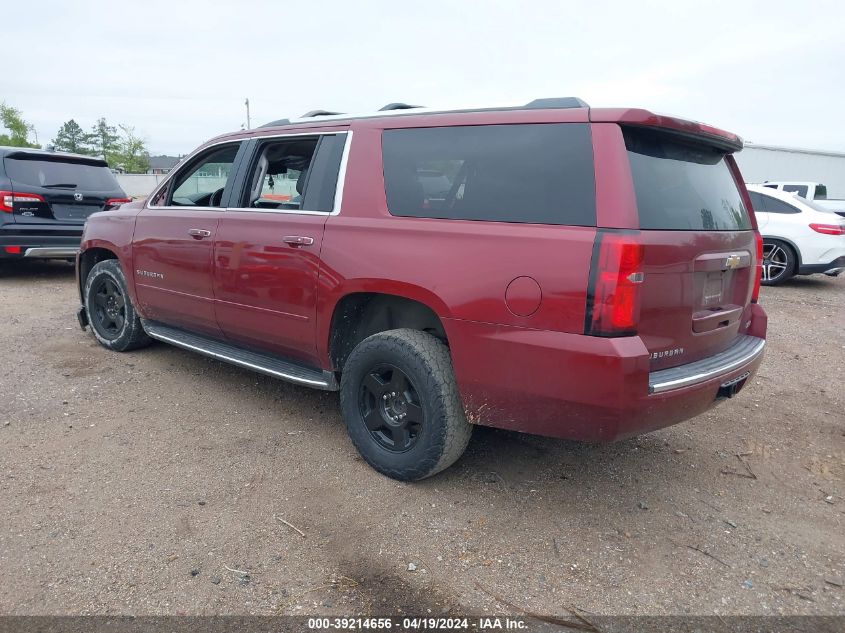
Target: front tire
<point>779,262</point>
<point>111,315</point>
<point>401,404</point>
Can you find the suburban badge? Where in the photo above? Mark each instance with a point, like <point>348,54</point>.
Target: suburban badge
<point>667,352</point>
<point>147,273</point>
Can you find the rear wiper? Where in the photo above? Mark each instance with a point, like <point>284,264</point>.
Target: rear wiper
<point>61,185</point>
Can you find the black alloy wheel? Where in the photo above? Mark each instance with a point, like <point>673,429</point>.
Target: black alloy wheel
<point>113,319</point>
<point>109,308</point>
<point>401,404</point>
<point>391,409</point>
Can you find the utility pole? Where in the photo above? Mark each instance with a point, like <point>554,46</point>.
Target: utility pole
<point>248,124</point>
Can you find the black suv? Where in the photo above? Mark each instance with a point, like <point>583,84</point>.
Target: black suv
<point>45,198</point>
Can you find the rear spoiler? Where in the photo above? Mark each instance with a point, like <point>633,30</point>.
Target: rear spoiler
<point>721,139</point>
<point>58,157</point>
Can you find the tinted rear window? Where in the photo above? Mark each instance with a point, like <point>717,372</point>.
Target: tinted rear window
<point>42,173</point>
<point>539,173</point>
<point>683,186</point>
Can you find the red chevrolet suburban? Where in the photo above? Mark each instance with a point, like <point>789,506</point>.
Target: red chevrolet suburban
<point>555,269</point>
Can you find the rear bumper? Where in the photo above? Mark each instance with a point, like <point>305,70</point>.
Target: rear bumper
<point>51,252</point>
<point>831,268</point>
<point>586,388</point>
<point>743,352</point>
<point>62,243</point>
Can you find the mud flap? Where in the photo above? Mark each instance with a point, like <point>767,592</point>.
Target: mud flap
<point>82,317</point>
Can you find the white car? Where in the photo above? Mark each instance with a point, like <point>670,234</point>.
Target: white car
<point>799,236</point>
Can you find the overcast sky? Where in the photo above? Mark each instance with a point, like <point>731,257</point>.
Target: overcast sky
<point>179,71</point>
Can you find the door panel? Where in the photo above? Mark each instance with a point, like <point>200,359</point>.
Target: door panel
<point>266,287</point>
<point>173,267</point>
<point>173,245</point>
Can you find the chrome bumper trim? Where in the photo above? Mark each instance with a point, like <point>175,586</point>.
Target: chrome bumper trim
<point>51,251</point>
<point>745,350</point>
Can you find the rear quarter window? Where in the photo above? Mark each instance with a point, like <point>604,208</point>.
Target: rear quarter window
<point>528,173</point>
<point>768,204</point>
<point>682,185</point>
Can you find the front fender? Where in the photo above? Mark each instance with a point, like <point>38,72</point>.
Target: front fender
<point>111,231</point>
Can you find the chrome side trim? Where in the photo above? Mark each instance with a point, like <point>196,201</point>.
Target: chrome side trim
<point>151,331</point>
<point>744,351</point>
<point>341,175</point>
<point>51,251</point>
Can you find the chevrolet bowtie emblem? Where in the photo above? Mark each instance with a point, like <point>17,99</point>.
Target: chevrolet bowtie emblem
<point>733,261</point>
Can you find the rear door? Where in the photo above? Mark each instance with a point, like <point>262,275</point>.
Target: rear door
<point>59,188</point>
<point>267,247</point>
<point>700,246</point>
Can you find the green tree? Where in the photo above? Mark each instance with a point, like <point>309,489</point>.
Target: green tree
<point>72,138</point>
<point>19,130</point>
<point>133,156</point>
<point>105,141</point>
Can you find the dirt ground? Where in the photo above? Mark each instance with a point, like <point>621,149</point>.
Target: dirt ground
<point>157,482</point>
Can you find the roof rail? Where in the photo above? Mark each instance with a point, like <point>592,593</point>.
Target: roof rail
<point>537,104</point>
<point>313,113</point>
<point>556,102</point>
<point>398,106</point>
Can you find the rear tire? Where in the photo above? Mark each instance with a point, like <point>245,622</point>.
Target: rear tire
<point>779,262</point>
<point>111,315</point>
<point>401,404</point>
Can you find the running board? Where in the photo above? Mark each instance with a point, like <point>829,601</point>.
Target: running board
<point>263,363</point>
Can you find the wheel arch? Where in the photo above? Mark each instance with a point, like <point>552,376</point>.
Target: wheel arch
<point>790,243</point>
<point>89,258</point>
<point>361,313</point>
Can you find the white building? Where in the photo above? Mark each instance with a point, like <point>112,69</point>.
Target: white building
<point>759,163</point>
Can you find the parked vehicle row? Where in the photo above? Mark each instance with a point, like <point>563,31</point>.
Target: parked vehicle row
<point>814,191</point>
<point>606,287</point>
<point>799,236</point>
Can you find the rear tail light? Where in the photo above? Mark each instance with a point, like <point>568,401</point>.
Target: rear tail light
<point>613,299</point>
<point>9,198</point>
<point>758,267</point>
<point>829,229</point>
<point>116,202</point>
<point>13,250</point>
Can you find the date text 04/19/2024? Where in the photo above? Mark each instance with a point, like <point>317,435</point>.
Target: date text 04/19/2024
<point>418,624</point>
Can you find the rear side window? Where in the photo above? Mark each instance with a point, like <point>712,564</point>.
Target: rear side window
<point>537,173</point>
<point>60,174</point>
<point>683,186</point>
<point>769,204</point>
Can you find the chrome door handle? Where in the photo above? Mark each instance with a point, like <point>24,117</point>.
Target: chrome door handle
<point>298,240</point>
<point>199,233</point>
